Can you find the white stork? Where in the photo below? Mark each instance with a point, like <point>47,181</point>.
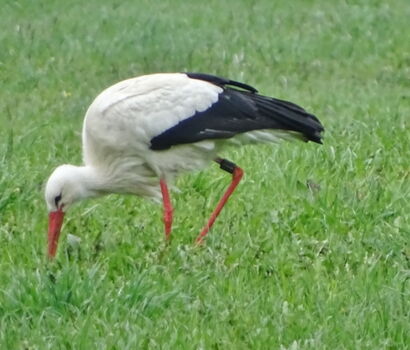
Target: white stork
<point>140,133</point>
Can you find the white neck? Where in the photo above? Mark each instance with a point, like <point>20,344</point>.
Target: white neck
<point>73,183</point>
<point>94,182</point>
<point>91,182</point>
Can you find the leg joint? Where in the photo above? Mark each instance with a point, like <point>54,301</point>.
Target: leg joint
<point>227,165</point>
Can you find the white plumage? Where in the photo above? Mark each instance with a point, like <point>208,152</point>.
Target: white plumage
<point>151,128</point>
<point>118,128</point>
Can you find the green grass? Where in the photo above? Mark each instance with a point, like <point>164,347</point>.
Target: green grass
<point>285,267</point>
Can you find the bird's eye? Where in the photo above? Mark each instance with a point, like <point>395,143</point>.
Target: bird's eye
<point>57,199</point>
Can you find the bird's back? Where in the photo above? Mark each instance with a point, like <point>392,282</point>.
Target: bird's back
<point>126,116</point>
<point>164,119</point>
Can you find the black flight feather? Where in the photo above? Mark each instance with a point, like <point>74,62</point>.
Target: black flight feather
<point>239,111</point>
<point>222,82</point>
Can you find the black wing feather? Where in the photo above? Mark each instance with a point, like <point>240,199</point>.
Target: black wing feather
<point>222,82</point>
<point>238,111</point>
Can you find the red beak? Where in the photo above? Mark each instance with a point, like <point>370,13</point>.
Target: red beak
<point>55,221</point>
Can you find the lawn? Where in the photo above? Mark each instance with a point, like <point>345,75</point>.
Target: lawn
<point>313,250</point>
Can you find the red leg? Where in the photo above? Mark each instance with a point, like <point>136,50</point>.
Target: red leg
<point>167,209</point>
<point>237,174</point>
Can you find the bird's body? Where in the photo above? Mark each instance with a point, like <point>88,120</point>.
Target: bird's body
<point>117,131</point>
<point>148,129</point>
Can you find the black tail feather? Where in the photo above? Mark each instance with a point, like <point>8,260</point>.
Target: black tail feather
<point>289,116</point>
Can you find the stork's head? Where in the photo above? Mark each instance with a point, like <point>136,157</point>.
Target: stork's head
<point>66,185</point>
